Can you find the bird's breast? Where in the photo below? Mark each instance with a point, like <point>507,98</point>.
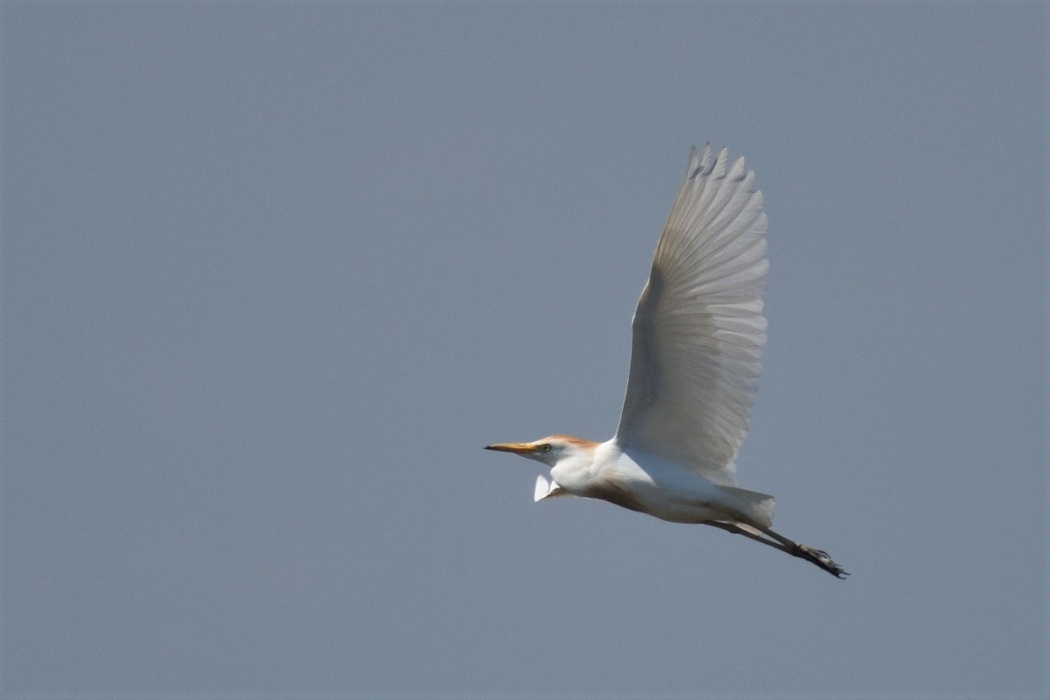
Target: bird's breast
<point>614,492</point>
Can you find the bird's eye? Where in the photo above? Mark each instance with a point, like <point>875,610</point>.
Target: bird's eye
<point>545,447</point>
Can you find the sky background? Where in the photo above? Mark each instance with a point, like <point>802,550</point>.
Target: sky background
<point>273,273</point>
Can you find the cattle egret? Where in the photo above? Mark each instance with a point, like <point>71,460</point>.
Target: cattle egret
<point>696,355</point>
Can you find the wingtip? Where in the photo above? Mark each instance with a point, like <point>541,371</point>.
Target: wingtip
<point>701,162</point>
<point>541,490</point>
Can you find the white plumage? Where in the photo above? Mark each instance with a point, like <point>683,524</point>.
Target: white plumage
<point>699,329</point>
<point>696,355</point>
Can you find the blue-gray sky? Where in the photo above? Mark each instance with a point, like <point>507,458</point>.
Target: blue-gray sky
<point>273,274</point>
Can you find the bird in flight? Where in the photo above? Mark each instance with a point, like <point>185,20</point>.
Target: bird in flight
<point>696,354</point>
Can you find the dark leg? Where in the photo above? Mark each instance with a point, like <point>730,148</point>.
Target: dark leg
<point>778,541</point>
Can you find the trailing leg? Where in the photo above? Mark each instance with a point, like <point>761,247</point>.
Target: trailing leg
<point>778,541</point>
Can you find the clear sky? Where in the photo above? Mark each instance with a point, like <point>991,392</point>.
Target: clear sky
<point>273,273</point>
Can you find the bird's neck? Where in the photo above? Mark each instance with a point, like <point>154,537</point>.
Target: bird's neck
<point>576,471</point>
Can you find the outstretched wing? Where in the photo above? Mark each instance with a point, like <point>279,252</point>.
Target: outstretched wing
<point>698,330</point>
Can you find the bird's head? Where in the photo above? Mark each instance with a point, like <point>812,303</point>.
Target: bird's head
<point>549,450</point>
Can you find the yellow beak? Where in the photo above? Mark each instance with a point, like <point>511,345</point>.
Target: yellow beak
<point>517,448</point>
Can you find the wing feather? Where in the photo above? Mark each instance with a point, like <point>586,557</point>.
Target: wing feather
<point>698,331</point>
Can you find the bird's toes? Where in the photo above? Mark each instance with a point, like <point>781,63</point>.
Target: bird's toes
<point>823,560</point>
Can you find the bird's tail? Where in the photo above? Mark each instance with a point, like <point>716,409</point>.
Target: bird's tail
<point>757,508</point>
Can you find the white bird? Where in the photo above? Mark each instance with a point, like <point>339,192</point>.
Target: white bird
<point>696,355</point>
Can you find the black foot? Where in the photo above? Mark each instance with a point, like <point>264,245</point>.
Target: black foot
<point>821,559</point>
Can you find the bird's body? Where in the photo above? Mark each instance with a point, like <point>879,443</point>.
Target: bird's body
<point>649,484</point>
<point>698,334</point>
